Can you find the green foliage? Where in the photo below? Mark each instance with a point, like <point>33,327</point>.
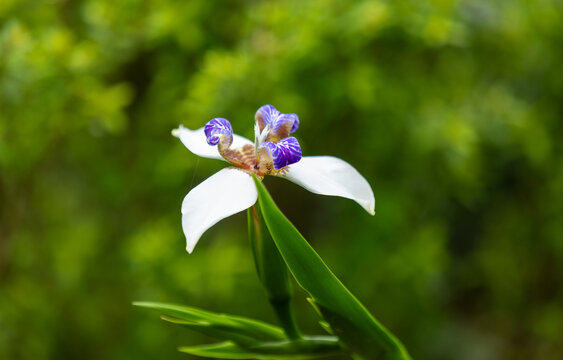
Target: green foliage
<point>346,316</point>
<point>222,323</point>
<point>245,338</point>
<point>272,271</point>
<point>271,268</point>
<point>305,348</point>
<point>450,109</point>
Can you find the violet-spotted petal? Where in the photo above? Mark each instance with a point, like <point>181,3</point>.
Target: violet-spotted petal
<point>285,124</point>
<point>218,129</point>
<point>195,141</point>
<point>281,125</point>
<point>295,125</point>
<point>285,152</point>
<point>225,193</point>
<point>327,175</point>
<point>265,115</point>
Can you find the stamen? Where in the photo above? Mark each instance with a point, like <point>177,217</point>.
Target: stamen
<point>259,137</point>
<point>256,133</point>
<point>256,138</point>
<point>264,134</point>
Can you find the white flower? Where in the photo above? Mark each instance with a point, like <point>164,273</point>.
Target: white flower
<point>274,152</point>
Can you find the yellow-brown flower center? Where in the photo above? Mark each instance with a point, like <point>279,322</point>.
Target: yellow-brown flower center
<point>247,158</point>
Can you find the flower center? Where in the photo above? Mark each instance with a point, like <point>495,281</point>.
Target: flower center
<point>273,151</point>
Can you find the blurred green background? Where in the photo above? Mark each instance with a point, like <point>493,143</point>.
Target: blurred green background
<point>451,109</point>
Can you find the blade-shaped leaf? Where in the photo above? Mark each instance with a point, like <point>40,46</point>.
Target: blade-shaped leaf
<point>305,348</point>
<point>327,291</point>
<point>272,271</point>
<point>220,332</point>
<point>243,326</point>
<point>224,350</point>
<point>271,268</point>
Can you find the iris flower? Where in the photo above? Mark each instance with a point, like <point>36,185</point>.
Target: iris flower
<point>273,152</point>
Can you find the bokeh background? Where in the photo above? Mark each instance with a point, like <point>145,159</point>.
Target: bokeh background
<point>451,109</point>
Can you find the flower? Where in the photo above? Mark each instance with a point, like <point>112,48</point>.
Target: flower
<point>273,152</point>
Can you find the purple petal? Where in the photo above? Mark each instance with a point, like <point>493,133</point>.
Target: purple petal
<point>265,115</point>
<point>217,128</point>
<point>281,125</point>
<point>295,123</point>
<point>285,152</point>
<point>269,113</point>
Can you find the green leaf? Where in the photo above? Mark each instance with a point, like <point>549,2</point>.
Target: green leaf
<point>225,350</point>
<point>217,331</point>
<point>306,348</point>
<point>270,266</point>
<point>207,320</point>
<point>347,317</point>
<point>273,272</point>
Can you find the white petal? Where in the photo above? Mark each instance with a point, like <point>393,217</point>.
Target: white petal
<point>225,193</point>
<point>328,175</point>
<point>196,142</point>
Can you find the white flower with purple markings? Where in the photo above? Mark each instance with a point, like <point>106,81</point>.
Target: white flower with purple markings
<point>273,152</point>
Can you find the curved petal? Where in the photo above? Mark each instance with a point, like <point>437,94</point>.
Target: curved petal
<point>280,124</point>
<point>328,175</point>
<point>196,142</point>
<point>285,152</point>
<point>225,193</point>
<point>218,129</point>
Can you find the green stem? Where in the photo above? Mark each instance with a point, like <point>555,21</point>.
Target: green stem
<point>273,273</point>
<point>286,318</point>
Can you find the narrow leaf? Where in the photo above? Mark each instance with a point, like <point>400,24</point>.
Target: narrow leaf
<point>306,348</point>
<point>270,266</point>
<point>220,332</point>
<point>244,326</point>
<point>273,272</point>
<point>326,290</point>
<point>225,350</point>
